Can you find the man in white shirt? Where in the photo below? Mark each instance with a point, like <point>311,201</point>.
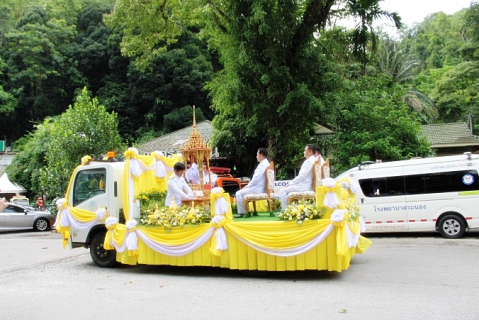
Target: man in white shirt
<point>304,179</point>
<point>257,184</point>
<point>177,187</point>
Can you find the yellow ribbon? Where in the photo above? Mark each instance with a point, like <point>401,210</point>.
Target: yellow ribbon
<point>215,196</point>
<point>85,160</point>
<point>132,252</point>
<point>327,189</point>
<point>131,154</point>
<point>341,240</point>
<point>107,244</point>
<point>217,226</point>
<point>65,231</point>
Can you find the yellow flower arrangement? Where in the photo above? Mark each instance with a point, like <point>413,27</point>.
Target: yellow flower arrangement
<point>301,211</point>
<point>148,199</point>
<point>170,217</point>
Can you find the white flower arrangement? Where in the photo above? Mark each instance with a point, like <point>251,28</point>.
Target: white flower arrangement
<point>301,211</point>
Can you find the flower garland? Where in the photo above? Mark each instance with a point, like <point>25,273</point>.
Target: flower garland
<point>353,209</point>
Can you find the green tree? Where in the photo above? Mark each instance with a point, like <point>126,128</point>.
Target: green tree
<point>367,11</point>
<point>181,118</point>
<point>276,81</point>
<point>375,124</point>
<point>84,129</point>
<point>42,73</point>
<point>402,70</point>
<point>26,166</point>
<point>173,79</point>
<point>457,92</point>
<point>66,10</point>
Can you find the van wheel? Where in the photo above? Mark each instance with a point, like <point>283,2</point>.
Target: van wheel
<point>451,226</point>
<point>102,258</point>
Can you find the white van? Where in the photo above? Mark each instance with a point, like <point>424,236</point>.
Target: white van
<point>427,194</point>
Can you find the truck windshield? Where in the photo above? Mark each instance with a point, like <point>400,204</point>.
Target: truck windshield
<point>88,184</point>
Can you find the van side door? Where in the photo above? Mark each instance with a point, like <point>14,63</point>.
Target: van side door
<point>383,202</point>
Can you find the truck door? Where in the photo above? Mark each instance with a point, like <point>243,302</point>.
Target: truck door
<point>89,190</point>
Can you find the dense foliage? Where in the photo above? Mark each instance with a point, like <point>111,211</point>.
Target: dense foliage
<point>266,72</point>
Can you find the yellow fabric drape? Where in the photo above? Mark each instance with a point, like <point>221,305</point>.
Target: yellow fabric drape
<point>82,215</point>
<point>278,235</point>
<point>241,256</point>
<point>117,233</point>
<point>261,206</point>
<point>147,180</point>
<point>176,237</point>
<point>65,231</point>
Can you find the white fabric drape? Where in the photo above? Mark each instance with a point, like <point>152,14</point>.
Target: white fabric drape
<point>291,251</point>
<point>176,251</point>
<point>131,237</point>
<point>68,220</point>
<point>160,168</point>
<point>337,216</point>
<point>330,199</point>
<point>354,186</point>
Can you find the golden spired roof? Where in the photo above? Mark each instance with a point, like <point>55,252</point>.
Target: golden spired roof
<point>195,142</point>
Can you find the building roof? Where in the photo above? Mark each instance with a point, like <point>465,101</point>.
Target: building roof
<point>173,141</point>
<point>444,135</point>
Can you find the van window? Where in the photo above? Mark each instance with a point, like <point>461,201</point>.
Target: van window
<point>88,183</point>
<point>384,186</point>
<point>455,181</point>
<point>438,182</point>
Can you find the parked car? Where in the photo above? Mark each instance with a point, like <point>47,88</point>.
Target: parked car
<point>15,217</point>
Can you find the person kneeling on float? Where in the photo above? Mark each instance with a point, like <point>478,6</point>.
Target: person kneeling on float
<point>177,187</point>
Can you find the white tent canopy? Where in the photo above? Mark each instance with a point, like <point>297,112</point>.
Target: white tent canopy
<point>8,187</point>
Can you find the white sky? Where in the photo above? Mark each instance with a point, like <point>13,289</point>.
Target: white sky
<point>416,10</point>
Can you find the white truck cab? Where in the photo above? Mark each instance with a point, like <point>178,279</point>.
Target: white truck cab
<point>94,186</point>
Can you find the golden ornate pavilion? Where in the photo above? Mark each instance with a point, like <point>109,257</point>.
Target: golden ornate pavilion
<point>197,150</point>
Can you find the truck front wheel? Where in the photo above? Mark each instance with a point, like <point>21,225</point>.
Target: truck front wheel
<point>102,258</point>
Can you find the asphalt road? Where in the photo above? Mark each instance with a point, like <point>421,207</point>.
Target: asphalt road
<point>412,276</point>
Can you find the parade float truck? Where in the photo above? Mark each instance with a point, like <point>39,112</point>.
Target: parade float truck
<point>104,210</point>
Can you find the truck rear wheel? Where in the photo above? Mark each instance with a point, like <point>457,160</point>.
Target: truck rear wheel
<point>451,226</point>
<point>102,258</point>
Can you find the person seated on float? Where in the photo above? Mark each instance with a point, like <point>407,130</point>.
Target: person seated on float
<point>257,184</point>
<point>304,179</point>
<point>177,187</point>
<point>193,174</point>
